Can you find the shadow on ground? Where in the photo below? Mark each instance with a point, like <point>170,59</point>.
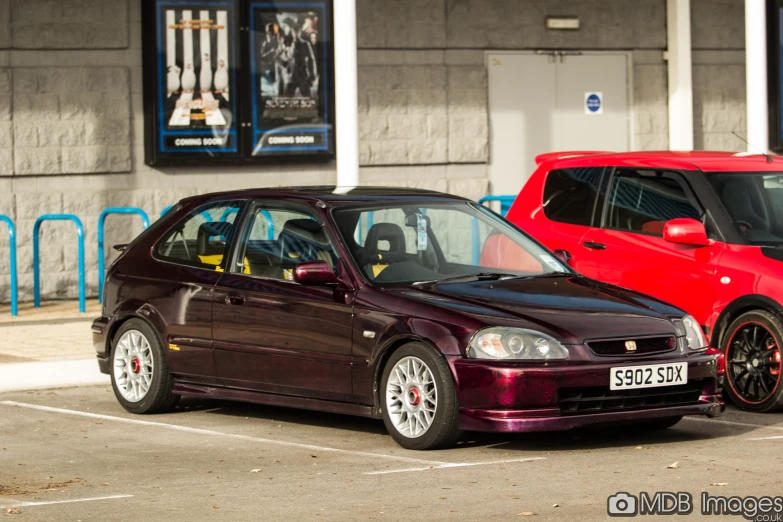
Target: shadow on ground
<point>578,439</point>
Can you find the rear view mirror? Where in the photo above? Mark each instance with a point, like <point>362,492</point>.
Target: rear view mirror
<point>315,273</point>
<point>685,231</point>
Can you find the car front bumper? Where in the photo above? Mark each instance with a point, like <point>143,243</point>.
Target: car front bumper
<point>507,397</point>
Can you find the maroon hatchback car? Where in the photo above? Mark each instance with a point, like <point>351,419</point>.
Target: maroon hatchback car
<point>423,309</point>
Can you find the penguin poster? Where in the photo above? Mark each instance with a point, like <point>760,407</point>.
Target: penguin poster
<point>196,96</point>
<point>291,50</point>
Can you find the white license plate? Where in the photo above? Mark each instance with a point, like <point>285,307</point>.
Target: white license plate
<point>630,377</point>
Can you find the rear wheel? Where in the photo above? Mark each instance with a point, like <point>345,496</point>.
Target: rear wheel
<point>139,374</point>
<point>752,349</point>
<point>419,400</point>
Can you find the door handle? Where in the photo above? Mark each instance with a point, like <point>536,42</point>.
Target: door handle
<point>594,245</point>
<point>235,299</point>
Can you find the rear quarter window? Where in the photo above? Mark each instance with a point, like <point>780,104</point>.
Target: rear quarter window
<point>570,194</point>
<point>201,238</point>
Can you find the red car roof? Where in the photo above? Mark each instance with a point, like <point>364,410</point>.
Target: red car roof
<point>708,161</point>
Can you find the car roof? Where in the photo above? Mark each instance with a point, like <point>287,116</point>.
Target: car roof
<point>331,195</point>
<point>707,161</point>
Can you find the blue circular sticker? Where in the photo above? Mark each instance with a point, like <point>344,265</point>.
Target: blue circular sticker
<point>593,103</point>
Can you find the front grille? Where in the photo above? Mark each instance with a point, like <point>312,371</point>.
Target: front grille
<point>601,399</point>
<point>644,346</point>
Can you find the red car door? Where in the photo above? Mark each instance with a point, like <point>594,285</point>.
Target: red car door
<point>629,249</point>
<point>269,332</point>
<point>564,208</point>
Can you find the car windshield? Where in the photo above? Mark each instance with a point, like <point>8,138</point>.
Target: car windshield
<point>755,202</point>
<point>405,243</point>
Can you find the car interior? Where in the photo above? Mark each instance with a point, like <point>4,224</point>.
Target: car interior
<point>645,204</point>
<point>751,206</point>
<point>387,256</point>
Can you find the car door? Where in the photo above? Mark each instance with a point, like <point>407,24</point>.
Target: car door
<point>270,333</point>
<point>629,249</point>
<point>189,259</point>
<point>569,207</point>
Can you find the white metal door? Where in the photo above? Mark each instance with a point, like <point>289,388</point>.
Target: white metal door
<point>587,127</point>
<point>544,102</point>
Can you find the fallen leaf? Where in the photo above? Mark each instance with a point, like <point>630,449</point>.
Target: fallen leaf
<point>215,507</point>
<point>526,514</point>
<point>255,470</point>
<point>719,484</point>
<point>555,505</point>
<point>638,447</point>
<point>12,511</point>
<point>673,465</point>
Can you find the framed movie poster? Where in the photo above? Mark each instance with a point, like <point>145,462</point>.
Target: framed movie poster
<point>237,80</point>
<point>192,101</point>
<point>292,78</point>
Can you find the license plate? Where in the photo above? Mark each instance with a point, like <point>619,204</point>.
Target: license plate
<point>630,377</point>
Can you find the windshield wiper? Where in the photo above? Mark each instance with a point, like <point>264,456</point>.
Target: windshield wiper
<point>484,276</point>
<point>547,275</point>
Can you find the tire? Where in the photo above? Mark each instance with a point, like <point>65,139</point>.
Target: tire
<point>753,369</point>
<point>139,373</point>
<point>405,401</point>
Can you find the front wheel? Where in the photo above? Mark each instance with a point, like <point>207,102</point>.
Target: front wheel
<point>419,400</point>
<point>752,349</point>
<point>139,374</point>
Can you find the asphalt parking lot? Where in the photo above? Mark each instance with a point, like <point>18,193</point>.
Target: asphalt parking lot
<point>75,454</point>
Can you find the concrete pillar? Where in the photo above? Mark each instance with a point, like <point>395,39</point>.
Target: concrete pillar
<point>756,75</point>
<point>678,25</point>
<point>346,93</point>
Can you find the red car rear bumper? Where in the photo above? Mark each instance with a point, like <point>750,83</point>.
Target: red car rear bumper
<point>503,397</point>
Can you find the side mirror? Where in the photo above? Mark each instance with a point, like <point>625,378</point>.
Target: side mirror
<point>315,273</point>
<point>685,231</point>
<point>563,255</point>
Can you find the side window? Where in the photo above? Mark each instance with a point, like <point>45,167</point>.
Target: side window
<point>277,239</point>
<point>643,201</point>
<point>569,195</point>
<point>201,238</point>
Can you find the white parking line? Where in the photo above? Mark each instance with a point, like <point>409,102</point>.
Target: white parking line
<point>454,465</point>
<point>212,433</point>
<point>777,437</point>
<point>22,503</point>
<point>733,423</point>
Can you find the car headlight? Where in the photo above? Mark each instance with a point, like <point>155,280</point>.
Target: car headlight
<point>515,344</point>
<point>694,336</point>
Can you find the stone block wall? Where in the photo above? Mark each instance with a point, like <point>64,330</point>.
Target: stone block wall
<point>67,24</point>
<point>71,120</point>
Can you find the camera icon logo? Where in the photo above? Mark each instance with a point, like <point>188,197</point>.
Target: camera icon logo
<point>622,505</point>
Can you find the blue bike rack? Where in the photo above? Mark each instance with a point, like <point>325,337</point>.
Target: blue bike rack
<point>36,255</point>
<point>505,202</point>
<point>101,248</point>
<point>12,243</point>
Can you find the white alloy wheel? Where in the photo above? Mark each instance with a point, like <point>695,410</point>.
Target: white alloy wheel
<point>411,397</point>
<point>133,365</point>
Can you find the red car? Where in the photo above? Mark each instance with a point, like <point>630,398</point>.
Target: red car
<point>370,302</point>
<point>700,230</point>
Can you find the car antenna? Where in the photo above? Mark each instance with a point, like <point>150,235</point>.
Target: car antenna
<point>769,158</point>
